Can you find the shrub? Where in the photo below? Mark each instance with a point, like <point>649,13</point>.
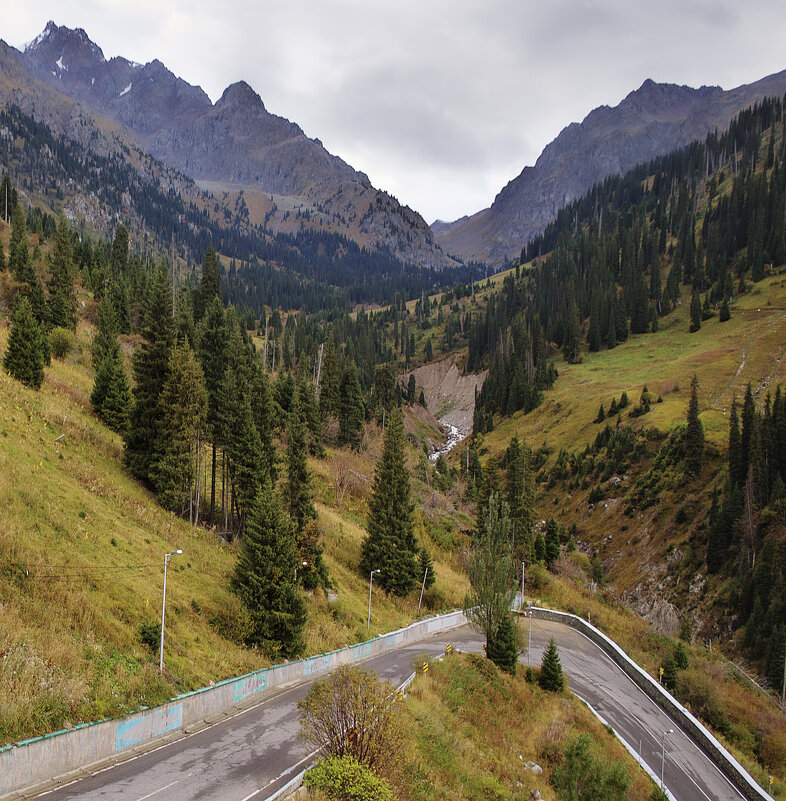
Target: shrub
<point>352,713</point>
<point>61,341</point>
<point>150,633</point>
<point>343,778</point>
<point>596,495</point>
<point>698,690</point>
<point>582,776</point>
<point>537,577</point>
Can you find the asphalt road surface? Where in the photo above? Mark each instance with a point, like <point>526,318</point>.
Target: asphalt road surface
<point>688,773</point>
<point>251,755</point>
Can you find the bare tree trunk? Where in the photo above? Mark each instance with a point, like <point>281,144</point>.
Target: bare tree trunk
<point>213,490</point>
<point>319,369</point>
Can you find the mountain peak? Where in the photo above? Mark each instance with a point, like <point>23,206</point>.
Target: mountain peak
<point>240,93</point>
<point>50,28</point>
<point>56,40</point>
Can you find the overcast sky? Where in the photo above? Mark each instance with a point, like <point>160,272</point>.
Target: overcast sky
<point>440,102</point>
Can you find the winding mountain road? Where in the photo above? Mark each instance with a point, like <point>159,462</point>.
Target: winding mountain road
<point>255,752</point>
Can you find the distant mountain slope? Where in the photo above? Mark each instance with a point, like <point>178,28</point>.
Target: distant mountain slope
<point>235,144</point>
<point>649,122</point>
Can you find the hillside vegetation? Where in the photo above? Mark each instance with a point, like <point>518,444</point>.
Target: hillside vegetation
<point>82,549</point>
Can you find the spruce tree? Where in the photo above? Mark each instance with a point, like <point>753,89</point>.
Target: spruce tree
<point>695,312</point>
<point>150,368</point>
<point>240,440</point>
<point>62,297</point>
<point>297,494</point>
<point>118,255</point>
<point>694,433</point>
<point>182,404</point>
<point>426,569</point>
<point>735,447</point>
<point>551,678</point>
<point>264,419</point>
<point>213,345</point>
<point>24,356</point>
<point>210,285</point>
<point>725,313</point>
<point>329,381</point>
<point>669,677</point>
<point>571,348</point>
<point>552,542</point>
<point>111,395</point>
<point>264,579</point>
<point>297,490</point>
<point>18,251</point>
<point>611,335</point>
<point>539,548</point>
<point>390,544</point>
<point>502,648</point>
<point>351,413</point>
<point>519,494</point>
<point>716,539</point>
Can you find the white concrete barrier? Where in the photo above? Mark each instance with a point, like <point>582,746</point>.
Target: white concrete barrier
<point>730,767</point>
<point>41,759</point>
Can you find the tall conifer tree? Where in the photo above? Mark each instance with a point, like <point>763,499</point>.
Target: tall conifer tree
<point>150,368</point>
<point>390,544</point>
<point>24,356</point>
<point>350,414</point>
<point>264,579</point>
<point>62,297</point>
<point>213,345</point>
<point>209,286</point>
<point>182,405</point>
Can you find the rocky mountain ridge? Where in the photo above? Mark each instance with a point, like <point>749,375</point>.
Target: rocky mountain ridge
<point>651,121</point>
<point>234,144</point>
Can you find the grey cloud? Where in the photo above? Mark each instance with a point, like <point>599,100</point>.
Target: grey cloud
<point>441,102</point>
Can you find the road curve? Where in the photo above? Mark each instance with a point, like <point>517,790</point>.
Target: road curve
<point>252,754</point>
<point>688,773</point>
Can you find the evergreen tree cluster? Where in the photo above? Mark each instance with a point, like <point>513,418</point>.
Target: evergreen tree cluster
<point>322,270</point>
<point>746,522</point>
<point>708,217</point>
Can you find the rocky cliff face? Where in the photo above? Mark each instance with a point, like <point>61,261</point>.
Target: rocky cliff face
<point>235,143</point>
<point>649,122</point>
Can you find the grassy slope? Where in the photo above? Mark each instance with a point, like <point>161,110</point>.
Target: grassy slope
<point>476,728</point>
<point>724,356</point>
<point>93,542</point>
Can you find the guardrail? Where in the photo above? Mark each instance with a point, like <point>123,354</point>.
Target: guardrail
<point>42,759</point>
<point>731,768</point>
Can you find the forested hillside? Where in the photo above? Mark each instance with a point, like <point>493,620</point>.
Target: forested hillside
<point>667,274</point>
<point>178,421</point>
<point>166,211</point>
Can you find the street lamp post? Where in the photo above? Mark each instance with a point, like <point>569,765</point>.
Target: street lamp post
<point>529,645</point>
<point>663,754</point>
<point>303,564</point>
<point>523,568</point>
<point>163,612</point>
<point>370,582</point>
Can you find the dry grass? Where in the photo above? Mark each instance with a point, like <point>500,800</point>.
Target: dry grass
<point>81,564</point>
<point>476,728</point>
